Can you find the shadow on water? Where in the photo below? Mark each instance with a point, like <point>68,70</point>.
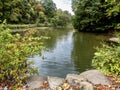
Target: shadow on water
<point>83,50</point>
<point>68,52</point>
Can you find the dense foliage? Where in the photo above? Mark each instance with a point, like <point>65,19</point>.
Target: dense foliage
<point>50,7</point>
<point>14,51</point>
<point>37,12</point>
<point>96,15</point>
<point>107,59</point>
<point>18,11</point>
<point>62,18</point>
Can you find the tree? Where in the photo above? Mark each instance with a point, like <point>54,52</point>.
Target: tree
<point>18,11</point>
<point>87,14</point>
<point>113,13</point>
<point>74,4</point>
<point>5,8</point>
<point>96,15</point>
<point>50,8</point>
<point>41,12</point>
<point>41,17</point>
<point>62,18</point>
<point>27,11</point>
<point>15,12</point>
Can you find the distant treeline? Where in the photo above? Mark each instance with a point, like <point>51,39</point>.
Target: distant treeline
<point>33,11</point>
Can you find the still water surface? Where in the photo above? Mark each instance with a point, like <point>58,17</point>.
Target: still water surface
<point>68,52</point>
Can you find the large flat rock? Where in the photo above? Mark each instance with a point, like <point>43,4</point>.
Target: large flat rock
<point>95,77</point>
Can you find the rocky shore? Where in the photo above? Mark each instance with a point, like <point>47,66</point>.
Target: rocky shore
<point>88,80</point>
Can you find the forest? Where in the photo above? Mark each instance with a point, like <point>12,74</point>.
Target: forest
<point>96,15</point>
<point>43,12</point>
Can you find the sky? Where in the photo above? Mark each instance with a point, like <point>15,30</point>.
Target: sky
<point>64,5</point>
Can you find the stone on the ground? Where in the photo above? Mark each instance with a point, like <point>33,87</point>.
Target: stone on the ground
<point>95,77</point>
<point>34,82</point>
<point>86,86</point>
<point>74,78</point>
<point>114,39</point>
<point>55,82</point>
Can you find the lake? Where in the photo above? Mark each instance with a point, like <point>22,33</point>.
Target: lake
<point>68,52</point>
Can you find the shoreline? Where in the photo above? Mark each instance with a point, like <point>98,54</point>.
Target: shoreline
<point>87,80</point>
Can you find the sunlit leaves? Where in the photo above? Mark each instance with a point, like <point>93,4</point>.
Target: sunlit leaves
<point>14,51</point>
<point>107,59</point>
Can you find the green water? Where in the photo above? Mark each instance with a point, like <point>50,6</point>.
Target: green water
<point>68,52</point>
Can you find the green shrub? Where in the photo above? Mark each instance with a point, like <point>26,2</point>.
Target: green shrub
<point>14,50</point>
<point>107,59</point>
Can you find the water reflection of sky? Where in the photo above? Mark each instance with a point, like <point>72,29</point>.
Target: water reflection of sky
<point>68,53</point>
<point>57,61</point>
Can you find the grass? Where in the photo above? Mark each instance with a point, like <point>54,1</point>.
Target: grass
<point>25,27</point>
<point>20,26</point>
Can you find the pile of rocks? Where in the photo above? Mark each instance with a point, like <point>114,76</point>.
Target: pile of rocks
<point>84,81</point>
